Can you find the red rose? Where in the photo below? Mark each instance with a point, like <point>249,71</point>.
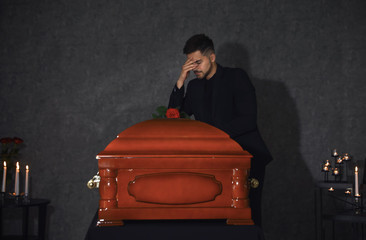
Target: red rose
<point>18,140</point>
<point>172,113</point>
<point>6,140</point>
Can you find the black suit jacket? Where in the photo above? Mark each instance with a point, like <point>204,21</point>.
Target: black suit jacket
<point>234,109</point>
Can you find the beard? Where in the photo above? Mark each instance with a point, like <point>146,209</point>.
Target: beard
<point>203,74</point>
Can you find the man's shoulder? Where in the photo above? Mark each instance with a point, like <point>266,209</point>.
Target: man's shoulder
<point>232,74</point>
<point>236,77</point>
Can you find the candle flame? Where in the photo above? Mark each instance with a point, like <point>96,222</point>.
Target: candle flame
<point>4,164</point>
<point>26,167</point>
<point>356,169</point>
<point>17,165</point>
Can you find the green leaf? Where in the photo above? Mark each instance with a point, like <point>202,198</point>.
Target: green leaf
<point>161,110</point>
<point>184,115</point>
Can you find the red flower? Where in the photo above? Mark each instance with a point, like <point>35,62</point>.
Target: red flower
<point>172,113</point>
<point>6,140</point>
<point>18,140</point>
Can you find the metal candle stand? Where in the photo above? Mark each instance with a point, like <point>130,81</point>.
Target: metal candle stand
<point>356,202</point>
<point>358,206</point>
<point>341,169</point>
<point>18,199</point>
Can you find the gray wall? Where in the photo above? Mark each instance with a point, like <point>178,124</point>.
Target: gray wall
<point>73,74</point>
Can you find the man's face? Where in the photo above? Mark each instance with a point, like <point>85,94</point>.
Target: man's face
<point>203,64</point>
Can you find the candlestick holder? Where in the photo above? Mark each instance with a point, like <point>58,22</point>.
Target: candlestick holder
<point>2,198</point>
<point>26,198</point>
<point>353,201</point>
<point>336,172</point>
<point>346,159</point>
<point>334,153</point>
<point>15,195</point>
<point>358,206</point>
<point>348,192</point>
<point>326,178</point>
<point>325,168</point>
<point>338,167</point>
<point>16,198</point>
<point>339,160</point>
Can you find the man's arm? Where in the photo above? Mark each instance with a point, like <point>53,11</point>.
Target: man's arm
<point>189,65</point>
<point>177,99</point>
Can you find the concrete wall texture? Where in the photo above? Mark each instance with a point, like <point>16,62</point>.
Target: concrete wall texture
<point>73,74</point>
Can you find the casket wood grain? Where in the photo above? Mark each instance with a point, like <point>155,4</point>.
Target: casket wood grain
<point>173,169</point>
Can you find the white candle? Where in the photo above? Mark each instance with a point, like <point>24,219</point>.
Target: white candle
<point>16,190</point>
<point>357,194</point>
<point>327,163</point>
<point>26,191</point>
<point>3,188</point>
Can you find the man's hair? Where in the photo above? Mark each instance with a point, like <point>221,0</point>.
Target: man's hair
<point>199,42</point>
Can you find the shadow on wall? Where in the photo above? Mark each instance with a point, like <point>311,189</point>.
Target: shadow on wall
<point>288,197</point>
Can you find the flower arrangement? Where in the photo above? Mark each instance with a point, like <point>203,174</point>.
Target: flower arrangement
<point>164,112</point>
<point>10,147</point>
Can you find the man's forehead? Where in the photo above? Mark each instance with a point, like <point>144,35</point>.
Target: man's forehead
<point>197,55</point>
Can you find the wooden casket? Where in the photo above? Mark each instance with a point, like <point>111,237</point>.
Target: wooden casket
<point>173,169</point>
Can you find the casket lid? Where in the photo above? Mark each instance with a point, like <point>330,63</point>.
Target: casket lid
<point>172,137</point>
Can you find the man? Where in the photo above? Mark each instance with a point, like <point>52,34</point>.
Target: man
<point>224,98</point>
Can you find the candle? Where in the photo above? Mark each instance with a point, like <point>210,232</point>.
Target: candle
<point>339,160</point>
<point>336,171</point>
<point>331,189</point>
<point>334,153</point>
<point>26,191</point>
<point>357,194</point>
<point>346,157</point>
<point>326,166</point>
<point>16,191</point>
<point>4,178</point>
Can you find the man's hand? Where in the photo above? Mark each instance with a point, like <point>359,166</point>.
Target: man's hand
<point>189,65</point>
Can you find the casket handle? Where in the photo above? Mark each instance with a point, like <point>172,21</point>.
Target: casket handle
<point>253,182</point>
<point>94,182</point>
